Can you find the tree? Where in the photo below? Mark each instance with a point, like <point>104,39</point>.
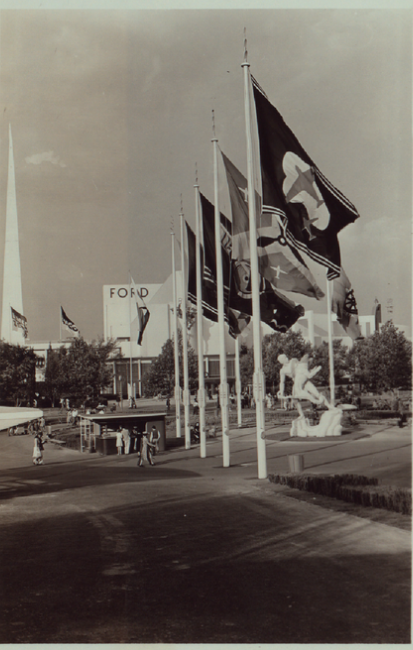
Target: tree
<point>17,374</point>
<point>382,361</point>
<point>246,364</point>
<point>321,357</point>
<point>80,371</point>
<point>161,375</point>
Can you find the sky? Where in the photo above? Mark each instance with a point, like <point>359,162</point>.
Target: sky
<point>111,114</point>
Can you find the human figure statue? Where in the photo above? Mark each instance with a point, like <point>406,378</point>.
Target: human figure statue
<point>303,388</point>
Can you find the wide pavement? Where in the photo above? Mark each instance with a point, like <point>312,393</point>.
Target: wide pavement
<point>96,550</point>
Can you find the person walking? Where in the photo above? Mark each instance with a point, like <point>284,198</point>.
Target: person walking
<point>126,440</point>
<point>146,450</point>
<point>119,440</point>
<point>38,450</point>
<point>154,438</point>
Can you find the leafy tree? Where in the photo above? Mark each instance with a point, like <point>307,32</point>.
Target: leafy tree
<point>246,364</point>
<point>80,371</point>
<point>161,375</point>
<point>321,357</point>
<point>17,373</point>
<point>382,361</point>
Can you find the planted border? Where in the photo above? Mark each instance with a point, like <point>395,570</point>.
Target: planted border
<point>360,490</point>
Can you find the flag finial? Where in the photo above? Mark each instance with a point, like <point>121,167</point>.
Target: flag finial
<point>213,125</point>
<point>196,174</point>
<point>245,45</point>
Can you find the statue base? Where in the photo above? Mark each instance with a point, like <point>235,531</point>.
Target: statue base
<point>329,425</point>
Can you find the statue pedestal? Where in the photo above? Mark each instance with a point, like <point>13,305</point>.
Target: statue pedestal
<point>329,425</point>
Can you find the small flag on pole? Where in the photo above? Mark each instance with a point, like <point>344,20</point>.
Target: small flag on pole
<point>67,323</point>
<point>19,322</point>
<point>343,303</point>
<point>140,321</point>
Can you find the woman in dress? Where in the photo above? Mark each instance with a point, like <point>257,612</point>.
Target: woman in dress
<point>38,450</point>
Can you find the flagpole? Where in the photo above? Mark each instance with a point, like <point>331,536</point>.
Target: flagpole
<point>223,387</point>
<point>185,341</point>
<point>199,324</point>
<point>130,342</point>
<point>238,382</point>
<point>258,382</point>
<point>176,344</point>
<point>60,325</point>
<point>330,344</point>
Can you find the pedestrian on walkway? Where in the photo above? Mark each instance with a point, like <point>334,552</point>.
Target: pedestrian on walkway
<point>154,438</point>
<point>126,440</point>
<point>146,450</point>
<point>38,450</point>
<point>119,441</point>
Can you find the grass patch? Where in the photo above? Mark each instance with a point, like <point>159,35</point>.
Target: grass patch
<point>359,490</point>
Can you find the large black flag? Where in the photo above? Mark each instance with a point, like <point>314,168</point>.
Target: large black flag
<point>296,195</point>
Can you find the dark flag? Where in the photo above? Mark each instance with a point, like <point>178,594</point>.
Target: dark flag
<point>282,265</point>
<point>343,303</point>
<point>191,264</point>
<point>209,281</point>
<point>139,323</point>
<point>143,317</point>
<point>19,322</point>
<point>297,197</point>
<point>67,323</point>
<point>277,311</point>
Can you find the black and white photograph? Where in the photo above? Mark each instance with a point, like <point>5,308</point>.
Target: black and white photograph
<point>205,323</point>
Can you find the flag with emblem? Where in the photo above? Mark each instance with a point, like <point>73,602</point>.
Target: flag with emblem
<point>277,311</point>
<point>67,323</point>
<point>19,322</point>
<point>280,264</point>
<point>297,199</point>
<point>343,303</point>
<point>141,317</point>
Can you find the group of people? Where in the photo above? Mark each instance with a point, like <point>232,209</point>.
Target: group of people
<point>29,428</point>
<point>148,442</point>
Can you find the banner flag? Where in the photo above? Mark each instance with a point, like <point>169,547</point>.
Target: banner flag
<point>67,323</point>
<point>343,303</point>
<point>282,265</point>
<point>19,322</point>
<point>191,263</point>
<point>140,321</point>
<point>309,210</point>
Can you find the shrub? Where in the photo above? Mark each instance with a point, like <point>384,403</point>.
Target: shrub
<point>360,490</point>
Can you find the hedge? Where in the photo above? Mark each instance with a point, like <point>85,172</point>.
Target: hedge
<point>360,490</point>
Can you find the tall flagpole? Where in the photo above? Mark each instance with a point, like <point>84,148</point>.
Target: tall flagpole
<point>238,382</point>
<point>187,399</point>
<point>176,343</point>
<point>258,381</point>
<point>330,344</point>
<point>130,341</point>
<point>199,324</point>
<point>223,387</point>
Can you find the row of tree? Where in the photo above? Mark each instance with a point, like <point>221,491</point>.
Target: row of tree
<point>377,363</point>
<point>83,370</point>
<point>78,372</point>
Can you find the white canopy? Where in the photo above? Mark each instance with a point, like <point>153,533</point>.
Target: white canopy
<point>12,416</point>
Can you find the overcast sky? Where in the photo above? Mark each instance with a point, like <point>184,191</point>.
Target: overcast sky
<point>110,111</point>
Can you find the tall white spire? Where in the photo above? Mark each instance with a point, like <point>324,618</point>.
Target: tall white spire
<point>12,280</point>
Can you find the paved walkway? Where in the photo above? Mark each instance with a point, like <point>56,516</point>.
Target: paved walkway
<point>96,550</point>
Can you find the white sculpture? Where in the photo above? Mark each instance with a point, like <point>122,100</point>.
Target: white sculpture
<point>304,389</point>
